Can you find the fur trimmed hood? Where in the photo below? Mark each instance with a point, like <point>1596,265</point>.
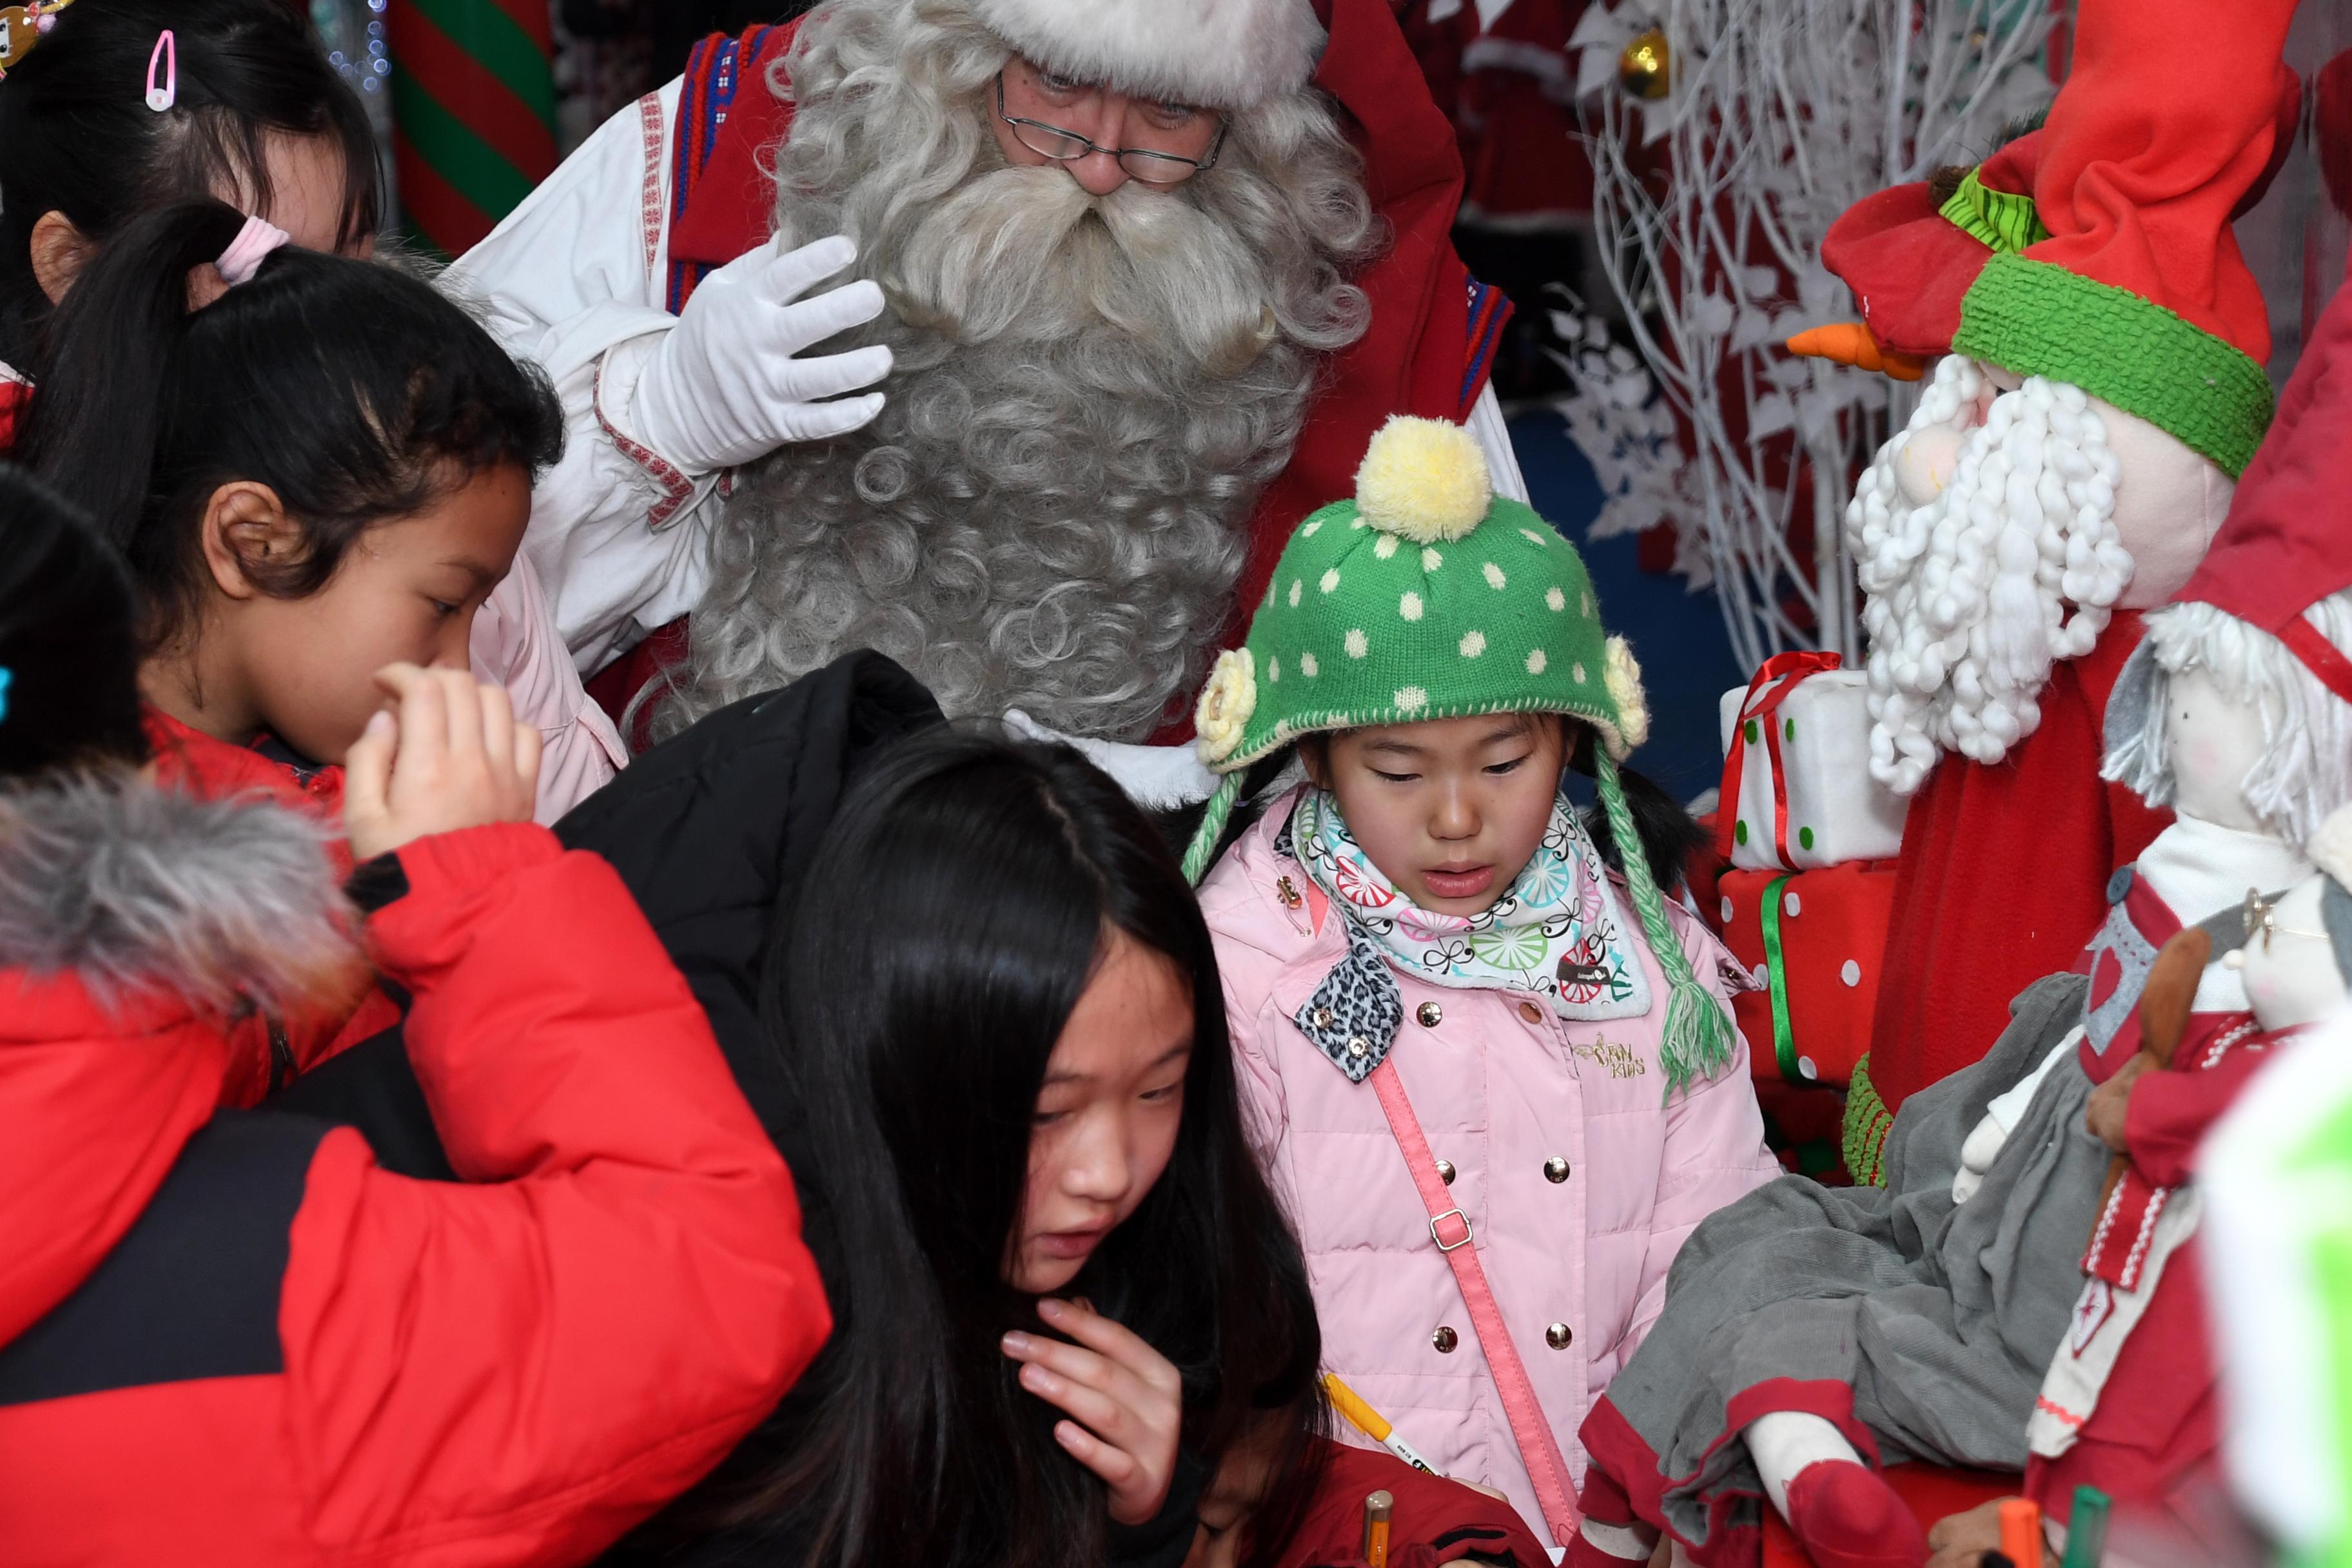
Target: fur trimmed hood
<point>1224,54</point>
<point>135,890</point>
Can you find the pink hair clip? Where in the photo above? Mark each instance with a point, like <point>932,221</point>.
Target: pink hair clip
<point>164,92</point>
<point>245,253</point>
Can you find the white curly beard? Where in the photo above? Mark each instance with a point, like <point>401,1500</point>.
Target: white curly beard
<point>1972,595</point>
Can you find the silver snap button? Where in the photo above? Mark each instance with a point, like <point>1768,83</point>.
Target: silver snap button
<point>1444,1339</point>
<point>1359,1046</point>
<point>1445,1172</point>
<point>1430,1014</point>
<point>1322,1017</point>
<point>1554,1170</point>
<point>1559,1336</point>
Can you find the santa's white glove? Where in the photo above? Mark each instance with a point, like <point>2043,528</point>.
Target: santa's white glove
<point>728,384</point>
<point>1157,778</point>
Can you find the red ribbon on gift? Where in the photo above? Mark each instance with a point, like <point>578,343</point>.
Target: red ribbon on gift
<point>1787,669</point>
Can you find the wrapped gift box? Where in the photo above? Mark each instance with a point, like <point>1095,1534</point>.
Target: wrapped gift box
<point>1799,741</point>
<point>1812,941</point>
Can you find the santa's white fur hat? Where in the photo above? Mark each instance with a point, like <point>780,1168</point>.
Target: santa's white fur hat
<point>1221,53</point>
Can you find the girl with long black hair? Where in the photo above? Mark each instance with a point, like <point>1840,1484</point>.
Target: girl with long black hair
<point>113,108</point>
<point>256,117</point>
<point>1062,1291</point>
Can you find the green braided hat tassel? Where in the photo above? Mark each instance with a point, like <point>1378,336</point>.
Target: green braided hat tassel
<point>1696,1044</point>
<point>1203,848</point>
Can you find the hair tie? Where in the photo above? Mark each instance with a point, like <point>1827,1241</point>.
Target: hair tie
<point>245,254</point>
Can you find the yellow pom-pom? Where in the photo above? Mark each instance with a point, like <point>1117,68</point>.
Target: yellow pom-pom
<point>1624,678</point>
<point>1423,478</point>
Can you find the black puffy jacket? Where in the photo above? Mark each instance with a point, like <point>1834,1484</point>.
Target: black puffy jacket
<point>712,831</point>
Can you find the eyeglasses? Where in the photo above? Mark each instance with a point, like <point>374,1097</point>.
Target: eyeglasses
<point>2262,916</point>
<point>1153,168</point>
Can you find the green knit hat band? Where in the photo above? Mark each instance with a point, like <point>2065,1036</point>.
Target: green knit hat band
<point>2034,318</point>
<point>1423,597</point>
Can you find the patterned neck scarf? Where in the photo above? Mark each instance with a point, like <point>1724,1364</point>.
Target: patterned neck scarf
<point>1557,931</point>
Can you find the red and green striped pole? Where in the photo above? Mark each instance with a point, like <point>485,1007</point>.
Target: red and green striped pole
<point>473,114</point>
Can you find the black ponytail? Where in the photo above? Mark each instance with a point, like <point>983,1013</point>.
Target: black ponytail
<point>70,698</point>
<point>353,390</point>
<point>79,139</point>
<point>1669,834</point>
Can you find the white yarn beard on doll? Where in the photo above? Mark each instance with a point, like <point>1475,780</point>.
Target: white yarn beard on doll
<point>1053,507</point>
<point>1975,589</point>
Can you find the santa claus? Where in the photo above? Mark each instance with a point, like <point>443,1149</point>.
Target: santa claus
<point>1130,274</point>
<point>2101,387</point>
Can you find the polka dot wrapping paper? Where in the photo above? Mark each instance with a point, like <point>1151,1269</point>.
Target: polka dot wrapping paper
<point>1811,942</point>
<point>1805,796</point>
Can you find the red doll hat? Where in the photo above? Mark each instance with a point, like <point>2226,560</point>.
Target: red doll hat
<point>2119,275</point>
<point>2288,542</point>
<point>1910,252</point>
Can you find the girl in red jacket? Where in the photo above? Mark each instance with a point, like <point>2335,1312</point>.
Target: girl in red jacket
<point>315,466</point>
<point>251,112</point>
<point>226,1336</point>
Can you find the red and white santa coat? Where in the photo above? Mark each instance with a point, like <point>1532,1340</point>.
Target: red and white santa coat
<point>586,276</point>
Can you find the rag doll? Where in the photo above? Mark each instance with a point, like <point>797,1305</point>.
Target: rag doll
<point>1811,1335</point>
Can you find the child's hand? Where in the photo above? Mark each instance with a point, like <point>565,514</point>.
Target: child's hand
<point>1127,1395</point>
<point>1962,1540</point>
<point>453,758</point>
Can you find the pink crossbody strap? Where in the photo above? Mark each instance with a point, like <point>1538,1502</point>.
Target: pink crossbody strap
<point>1449,1227</point>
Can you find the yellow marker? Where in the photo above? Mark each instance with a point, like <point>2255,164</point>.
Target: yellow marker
<point>1371,1423</point>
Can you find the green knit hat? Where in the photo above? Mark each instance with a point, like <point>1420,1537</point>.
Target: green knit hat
<point>1426,595</point>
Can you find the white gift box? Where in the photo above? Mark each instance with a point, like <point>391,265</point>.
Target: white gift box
<point>1836,810</point>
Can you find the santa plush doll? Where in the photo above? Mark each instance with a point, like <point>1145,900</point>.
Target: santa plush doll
<point>2097,388</point>
<point>1132,283</point>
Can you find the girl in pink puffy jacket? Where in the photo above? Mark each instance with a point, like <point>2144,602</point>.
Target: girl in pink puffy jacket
<point>1495,1084</point>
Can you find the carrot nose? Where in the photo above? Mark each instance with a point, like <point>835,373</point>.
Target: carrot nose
<point>1850,343</point>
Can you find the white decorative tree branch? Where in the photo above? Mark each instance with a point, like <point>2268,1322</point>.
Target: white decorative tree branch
<point>1782,113</point>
